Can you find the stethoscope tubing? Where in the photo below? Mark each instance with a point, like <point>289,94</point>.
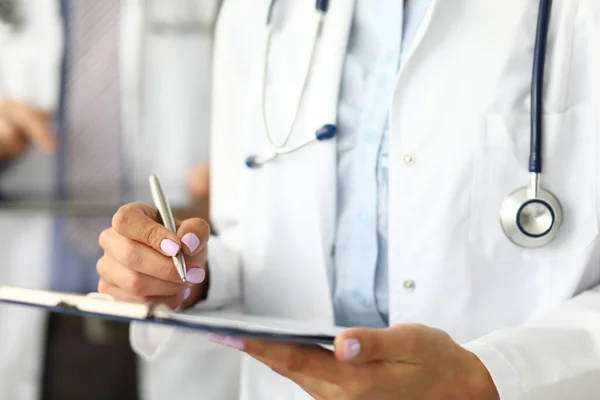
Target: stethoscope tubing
<point>537,86</point>
<point>281,145</point>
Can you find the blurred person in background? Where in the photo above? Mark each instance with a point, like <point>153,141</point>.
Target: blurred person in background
<point>95,96</point>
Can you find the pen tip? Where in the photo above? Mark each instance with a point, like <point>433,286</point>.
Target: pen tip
<point>184,280</point>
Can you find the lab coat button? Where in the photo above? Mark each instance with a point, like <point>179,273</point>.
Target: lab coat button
<point>409,285</point>
<point>409,159</point>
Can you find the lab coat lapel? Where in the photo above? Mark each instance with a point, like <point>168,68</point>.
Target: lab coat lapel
<point>324,94</point>
<point>420,34</point>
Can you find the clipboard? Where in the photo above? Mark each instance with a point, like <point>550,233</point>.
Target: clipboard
<point>101,306</point>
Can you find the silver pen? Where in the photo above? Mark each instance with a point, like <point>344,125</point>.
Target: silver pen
<point>164,209</point>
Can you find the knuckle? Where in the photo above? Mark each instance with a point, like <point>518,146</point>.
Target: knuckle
<point>99,266</point>
<point>411,339</point>
<point>102,286</point>
<point>169,274</point>
<point>121,218</point>
<point>443,335</point>
<point>130,255</point>
<point>103,238</point>
<point>151,234</point>
<point>198,226</point>
<point>204,228</point>
<point>135,284</point>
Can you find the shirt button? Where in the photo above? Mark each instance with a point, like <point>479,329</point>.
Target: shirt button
<point>409,159</point>
<point>409,285</point>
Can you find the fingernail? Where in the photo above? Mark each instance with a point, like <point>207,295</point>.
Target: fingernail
<point>234,343</point>
<point>187,293</point>
<point>169,247</point>
<point>351,348</point>
<point>213,337</point>
<point>191,241</point>
<point>196,275</point>
<point>228,341</point>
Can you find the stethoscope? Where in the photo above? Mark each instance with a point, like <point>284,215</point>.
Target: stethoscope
<point>325,132</point>
<point>530,216</point>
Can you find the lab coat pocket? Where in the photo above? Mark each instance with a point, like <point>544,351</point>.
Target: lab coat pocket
<point>569,161</point>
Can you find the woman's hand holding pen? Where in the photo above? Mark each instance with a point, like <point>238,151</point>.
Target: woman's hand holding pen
<point>137,263</point>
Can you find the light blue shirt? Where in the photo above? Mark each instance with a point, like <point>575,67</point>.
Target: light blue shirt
<point>378,38</point>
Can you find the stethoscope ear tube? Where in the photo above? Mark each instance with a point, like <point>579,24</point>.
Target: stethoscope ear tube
<point>326,132</point>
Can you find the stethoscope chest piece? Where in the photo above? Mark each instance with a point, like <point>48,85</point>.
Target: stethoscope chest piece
<point>531,219</point>
<point>532,216</point>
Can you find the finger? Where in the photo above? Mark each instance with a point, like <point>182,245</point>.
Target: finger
<point>194,234</point>
<point>134,282</point>
<point>398,343</point>
<point>7,127</point>
<point>34,124</point>
<point>138,221</point>
<point>139,257</point>
<point>122,295</point>
<point>12,143</point>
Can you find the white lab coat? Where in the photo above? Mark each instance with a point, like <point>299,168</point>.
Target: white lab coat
<point>461,108</point>
<point>29,71</point>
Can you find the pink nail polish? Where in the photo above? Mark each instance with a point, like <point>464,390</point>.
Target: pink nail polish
<point>228,341</point>
<point>169,247</point>
<point>191,241</point>
<point>196,275</point>
<point>234,343</point>
<point>187,293</point>
<point>351,348</point>
<point>218,339</point>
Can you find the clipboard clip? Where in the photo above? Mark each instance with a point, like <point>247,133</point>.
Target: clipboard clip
<point>93,303</point>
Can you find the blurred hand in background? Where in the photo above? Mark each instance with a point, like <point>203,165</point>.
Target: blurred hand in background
<point>21,127</point>
<point>198,182</point>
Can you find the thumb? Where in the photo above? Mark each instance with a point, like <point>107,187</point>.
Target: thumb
<point>398,343</point>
